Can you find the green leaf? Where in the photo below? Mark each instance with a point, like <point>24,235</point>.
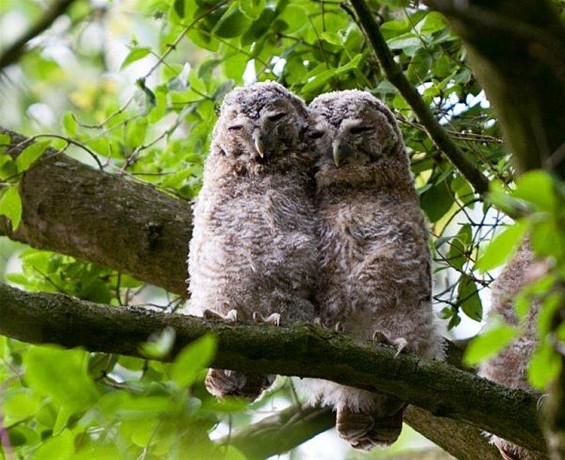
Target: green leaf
<point>468,298</point>
<point>160,345</point>
<point>437,201</point>
<point>502,247</point>
<point>19,404</point>
<point>292,18</point>
<point>193,359</point>
<point>60,447</point>
<point>135,54</point>
<point>537,188</point>
<point>61,375</point>
<point>420,65</point>
<point>5,140</point>
<point>321,79</point>
<point>232,24</point>
<point>489,343</point>
<point>11,206</point>
<point>544,367</point>
<point>70,124</point>
<point>179,8</point>
<point>136,131</point>
<point>433,22</point>
<point>30,155</point>
<point>457,254</point>
<point>252,8</point>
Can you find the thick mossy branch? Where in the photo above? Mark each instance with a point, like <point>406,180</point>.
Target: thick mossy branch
<point>395,75</point>
<point>76,210</point>
<point>302,350</point>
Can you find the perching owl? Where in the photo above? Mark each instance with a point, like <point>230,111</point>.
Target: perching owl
<point>253,253</point>
<point>509,367</point>
<point>375,281</point>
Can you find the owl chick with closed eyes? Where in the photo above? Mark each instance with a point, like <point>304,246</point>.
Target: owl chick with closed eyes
<point>375,281</point>
<point>253,253</point>
<point>509,367</point>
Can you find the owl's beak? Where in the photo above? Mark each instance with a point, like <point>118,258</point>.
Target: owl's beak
<point>339,153</point>
<point>258,142</point>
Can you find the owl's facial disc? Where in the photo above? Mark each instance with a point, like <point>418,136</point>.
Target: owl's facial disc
<point>350,140</point>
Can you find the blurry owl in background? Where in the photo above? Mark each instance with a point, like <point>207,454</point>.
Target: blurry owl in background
<point>253,253</point>
<point>510,366</point>
<point>375,281</point>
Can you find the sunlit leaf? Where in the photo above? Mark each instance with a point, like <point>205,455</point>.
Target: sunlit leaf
<point>11,205</point>
<point>60,446</point>
<point>193,359</point>
<point>30,155</point>
<point>536,187</point>
<point>489,343</point>
<point>502,247</point>
<point>61,375</point>
<point>544,367</point>
<point>135,54</point>
<point>252,8</point>
<point>232,24</point>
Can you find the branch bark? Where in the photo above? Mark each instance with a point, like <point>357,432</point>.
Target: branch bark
<point>395,75</point>
<point>302,350</point>
<point>73,209</point>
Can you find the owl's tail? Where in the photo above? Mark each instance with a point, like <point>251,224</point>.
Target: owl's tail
<point>367,429</point>
<point>223,382</point>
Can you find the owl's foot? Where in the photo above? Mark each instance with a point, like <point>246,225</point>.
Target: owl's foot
<point>399,343</point>
<point>365,430</point>
<point>273,318</point>
<point>224,382</point>
<point>230,316</point>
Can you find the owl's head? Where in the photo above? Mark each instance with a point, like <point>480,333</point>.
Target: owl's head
<point>261,124</point>
<point>361,131</point>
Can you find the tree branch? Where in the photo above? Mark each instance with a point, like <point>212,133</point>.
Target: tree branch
<point>296,425</point>
<point>395,75</point>
<point>302,350</point>
<point>13,53</point>
<point>73,209</point>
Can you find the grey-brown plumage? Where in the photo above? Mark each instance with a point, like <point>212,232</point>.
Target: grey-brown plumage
<point>375,261</point>
<point>510,366</point>
<point>253,254</point>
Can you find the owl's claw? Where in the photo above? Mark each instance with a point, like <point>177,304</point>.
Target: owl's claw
<point>399,343</point>
<point>230,316</point>
<point>338,327</point>
<point>273,318</point>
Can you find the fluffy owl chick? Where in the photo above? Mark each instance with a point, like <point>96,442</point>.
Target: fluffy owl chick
<point>509,367</point>
<point>375,280</point>
<point>253,253</point>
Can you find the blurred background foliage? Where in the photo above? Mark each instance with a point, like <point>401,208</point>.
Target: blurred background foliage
<point>133,87</point>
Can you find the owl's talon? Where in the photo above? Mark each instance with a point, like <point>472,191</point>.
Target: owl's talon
<point>273,318</point>
<point>400,344</point>
<point>380,337</point>
<point>338,327</point>
<point>230,316</point>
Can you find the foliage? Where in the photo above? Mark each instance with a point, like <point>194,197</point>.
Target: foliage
<point>133,87</point>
